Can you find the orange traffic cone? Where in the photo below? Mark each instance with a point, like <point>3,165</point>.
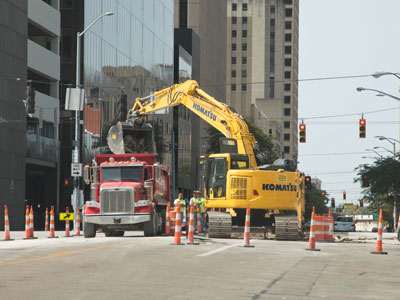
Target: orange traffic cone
<point>78,223</point>
<point>311,241</point>
<point>67,233</point>
<point>379,238</point>
<point>31,223</point>
<point>6,225</point>
<point>246,236</point>
<point>52,223</point>
<point>178,227</point>
<point>398,223</point>
<point>198,221</point>
<point>46,221</point>
<point>27,224</point>
<point>167,220</point>
<point>191,227</point>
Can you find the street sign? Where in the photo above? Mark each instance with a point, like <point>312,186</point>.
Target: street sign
<point>76,169</point>
<point>66,216</point>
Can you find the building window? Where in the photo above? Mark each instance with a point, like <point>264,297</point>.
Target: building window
<point>287,87</point>
<point>288,62</point>
<point>288,2</point>
<point>244,47</point>
<point>244,20</point>
<point>287,75</point>
<point>272,35</point>
<point>286,100</point>
<point>234,47</point>
<point>234,33</point>
<point>233,87</point>
<point>244,87</point>
<point>66,44</point>
<point>272,61</point>
<point>286,137</point>
<point>286,124</point>
<point>288,12</point>
<point>234,7</point>
<point>288,25</point>
<point>288,49</point>
<point>286,149</point>
<point>233,73</point>
<point>270,131</point>
<point>244,6</point>
<point>67,4</point>
<point>244,33</point>
<point>272,10</point>
<point>272,49</point>
<point>234,20</point>
<point>286,112</point>
<point>288,37</point>
<point>244,60</point>
<point>244,73</point>
<point>272,22</point>
<point>233,60</point>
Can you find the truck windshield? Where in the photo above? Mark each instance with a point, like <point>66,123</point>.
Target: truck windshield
<point>122,174</point>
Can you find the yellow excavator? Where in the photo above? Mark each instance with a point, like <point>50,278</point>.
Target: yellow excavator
<point>233,179</point>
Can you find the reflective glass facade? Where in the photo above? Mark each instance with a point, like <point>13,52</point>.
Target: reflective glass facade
<point>129,53</point>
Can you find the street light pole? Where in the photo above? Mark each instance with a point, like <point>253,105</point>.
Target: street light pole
<point>76,201</point>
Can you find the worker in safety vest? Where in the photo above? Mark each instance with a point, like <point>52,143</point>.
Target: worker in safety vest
<point>182,203</point>
<point>202,212</point>
<point>196,203</point>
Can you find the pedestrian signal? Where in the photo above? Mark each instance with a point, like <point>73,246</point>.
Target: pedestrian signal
<point>362,128</point>
<point>302,133</point>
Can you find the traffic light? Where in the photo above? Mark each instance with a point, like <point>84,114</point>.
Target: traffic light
<point>344,195</point>
<point>302,133</point>
<point>323,195</point>
<point>308,182</point>
<point>333,203</point>
<point>365,181</point>
<point>123,113</point>
<point>361,203</point>
<point>362,127</point>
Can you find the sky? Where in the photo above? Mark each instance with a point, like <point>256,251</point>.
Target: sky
<point>340,38</point>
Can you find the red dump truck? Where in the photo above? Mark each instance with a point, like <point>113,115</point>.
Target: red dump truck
<point>128,192</point>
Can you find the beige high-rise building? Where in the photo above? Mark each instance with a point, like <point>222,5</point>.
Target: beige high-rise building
<point>262,67</point>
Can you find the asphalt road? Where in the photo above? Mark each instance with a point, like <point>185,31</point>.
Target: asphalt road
<point>135,267</point>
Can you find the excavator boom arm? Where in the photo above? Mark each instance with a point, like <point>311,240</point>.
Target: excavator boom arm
<point>217,114</point>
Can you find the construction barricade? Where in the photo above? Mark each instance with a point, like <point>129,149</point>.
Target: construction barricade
<point>323,227</point>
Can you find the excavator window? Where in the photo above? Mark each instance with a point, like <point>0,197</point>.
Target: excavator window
<point>216,178</point>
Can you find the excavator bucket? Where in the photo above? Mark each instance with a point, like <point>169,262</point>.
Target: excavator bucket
<point>131,137</point>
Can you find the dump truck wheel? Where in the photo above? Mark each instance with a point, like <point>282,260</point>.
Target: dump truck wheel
<point>89,230</point>
<point>150,227</point>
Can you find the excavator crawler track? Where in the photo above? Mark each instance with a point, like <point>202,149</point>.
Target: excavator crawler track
<point>219,225</point>
<point>286,227</point>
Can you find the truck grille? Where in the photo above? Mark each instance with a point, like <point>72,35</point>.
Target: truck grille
<point>239,188</point>
<point>116,201</point>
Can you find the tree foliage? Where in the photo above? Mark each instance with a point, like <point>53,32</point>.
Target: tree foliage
<point>264,142</point>
<point>314,198</point>
<point>381,182</point>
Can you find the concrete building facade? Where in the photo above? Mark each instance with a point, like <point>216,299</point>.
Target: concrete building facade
<point>262,67</point>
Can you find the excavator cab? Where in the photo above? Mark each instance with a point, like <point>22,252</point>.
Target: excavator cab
<point>217,167</point>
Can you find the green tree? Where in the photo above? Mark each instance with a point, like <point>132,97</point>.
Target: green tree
<point>381,183</point>
<point>265,143</point>
<point>314,198</point>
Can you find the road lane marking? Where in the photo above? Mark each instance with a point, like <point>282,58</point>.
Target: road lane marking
<point>58,254</point>
<point>218,250</point>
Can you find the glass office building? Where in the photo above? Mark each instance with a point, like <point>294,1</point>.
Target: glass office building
<point>129,53</point>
